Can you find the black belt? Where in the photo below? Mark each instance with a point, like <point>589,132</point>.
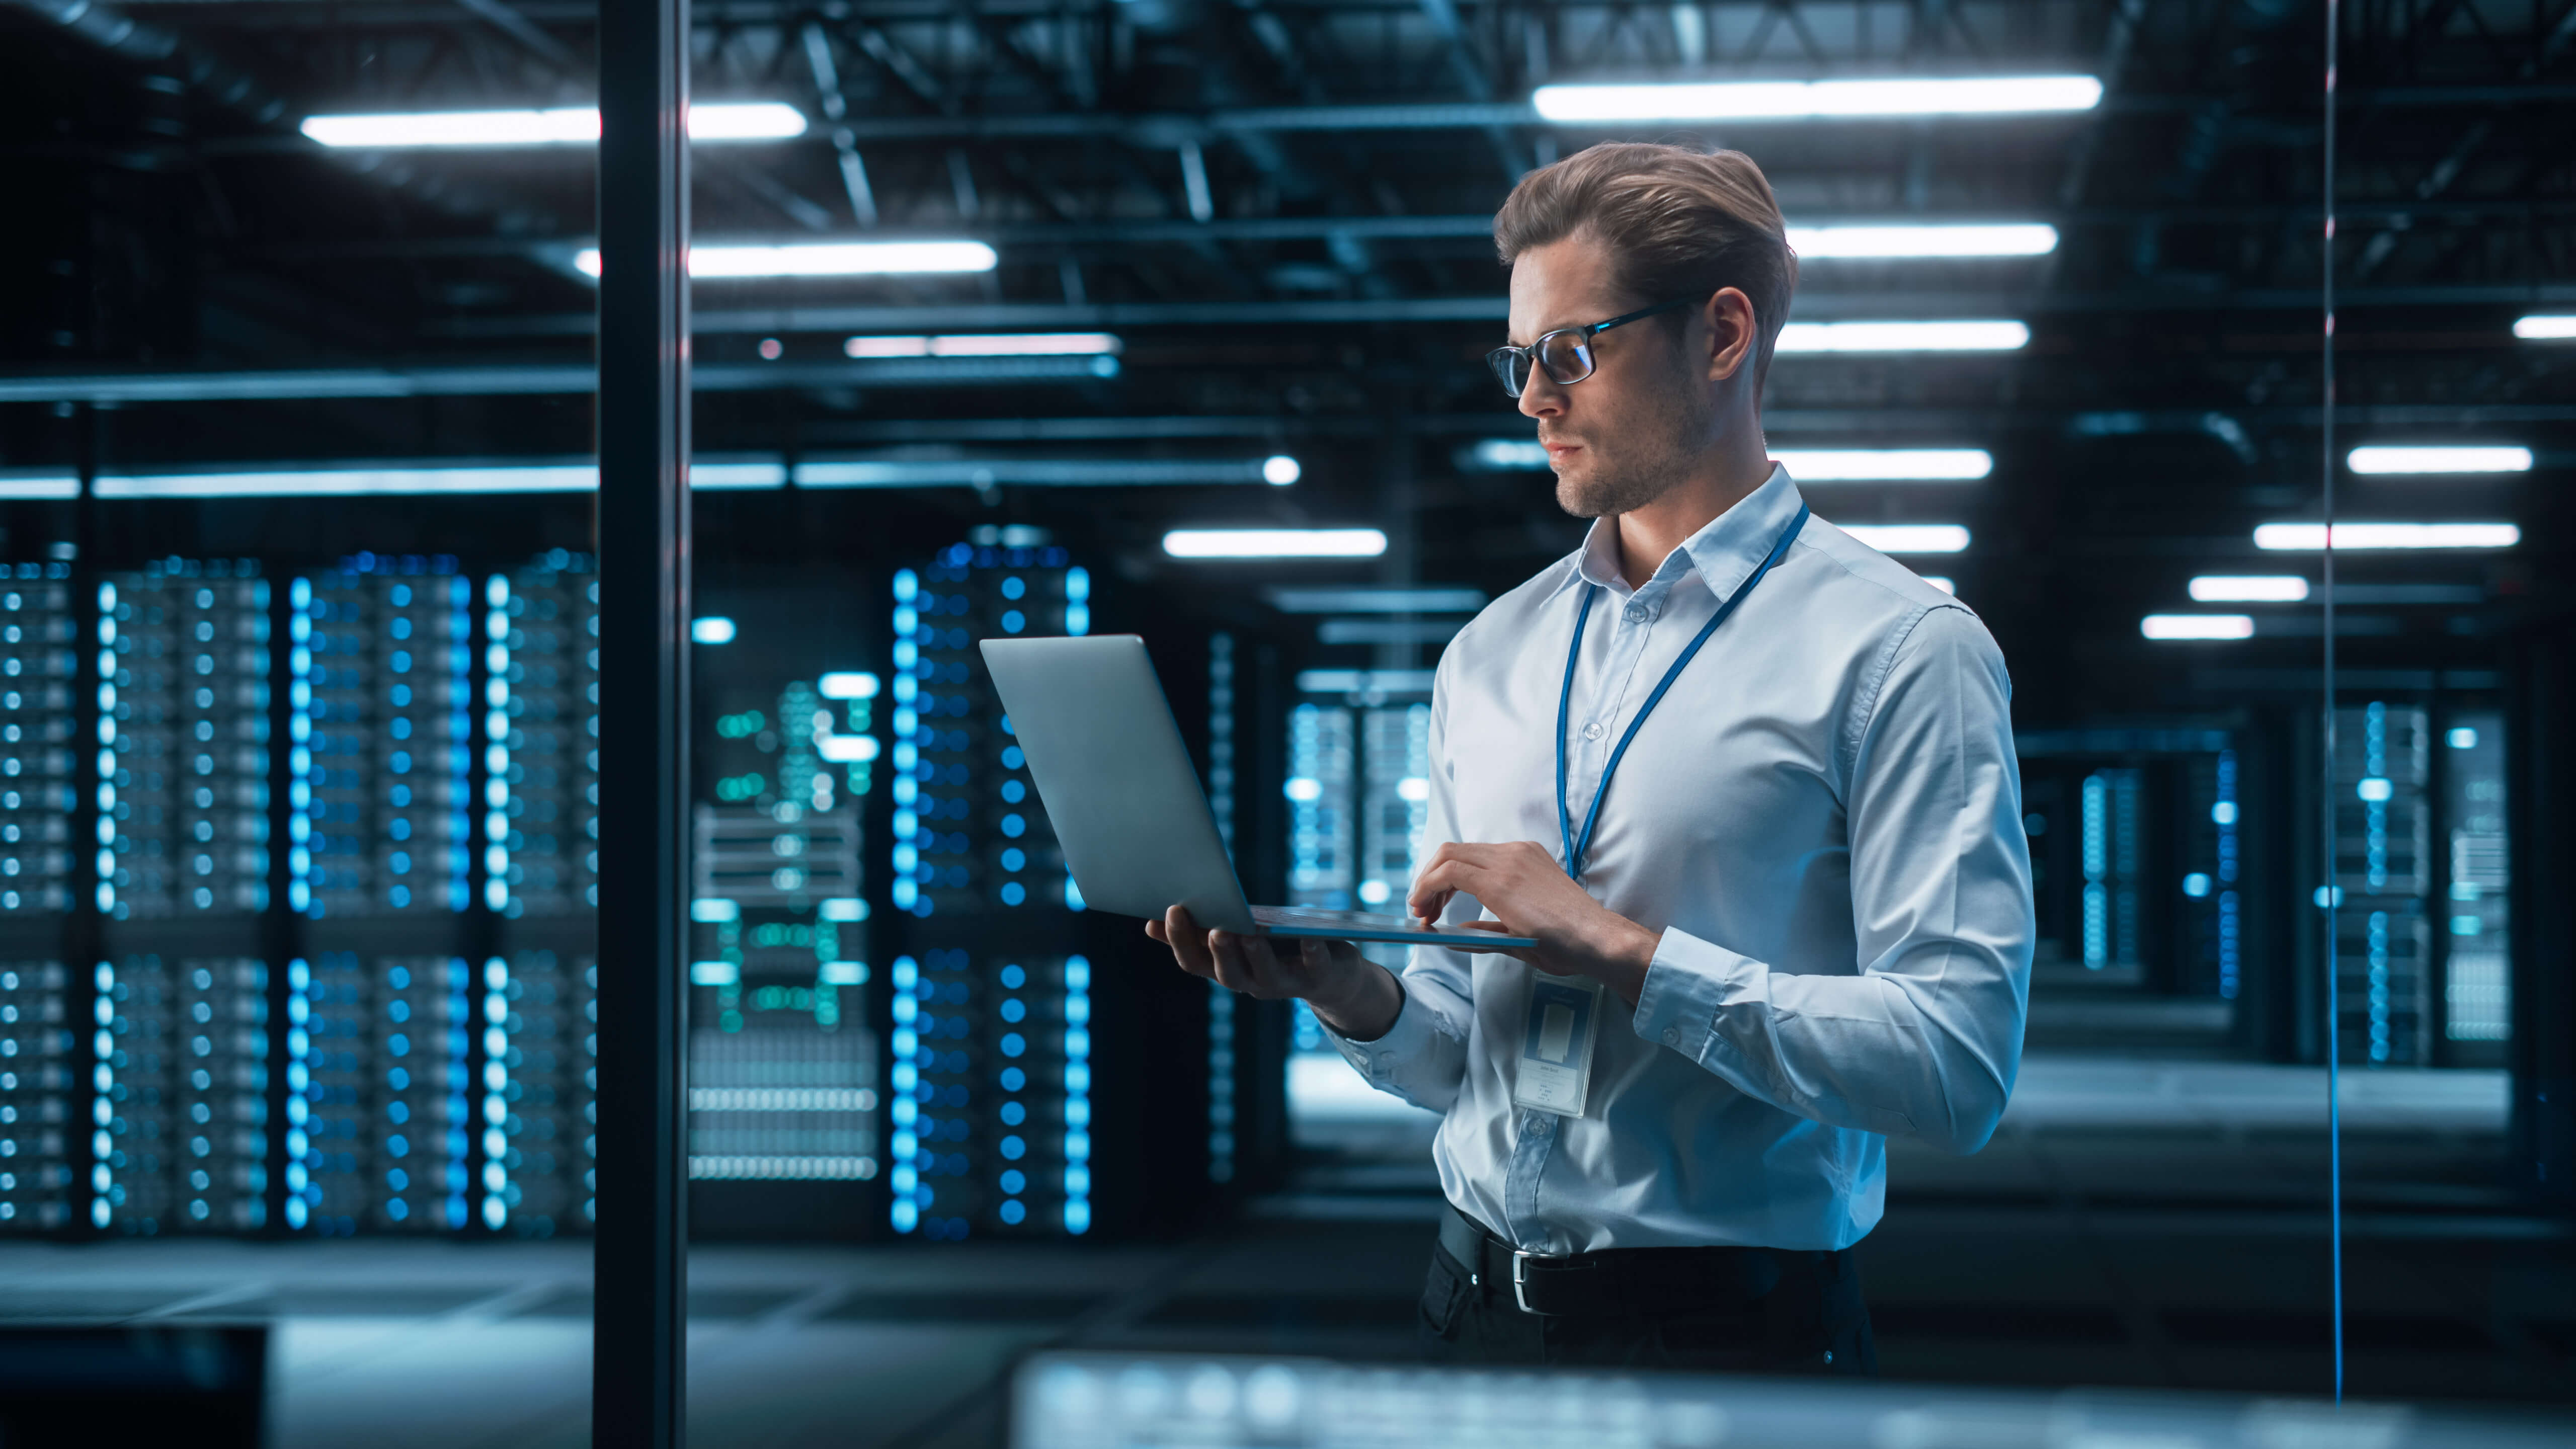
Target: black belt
<point>1619,1282</point>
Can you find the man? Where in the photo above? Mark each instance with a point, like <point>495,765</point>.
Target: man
<point>1751,786</point>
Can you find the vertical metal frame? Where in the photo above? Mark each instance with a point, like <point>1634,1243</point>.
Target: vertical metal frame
<point>640,1258</point>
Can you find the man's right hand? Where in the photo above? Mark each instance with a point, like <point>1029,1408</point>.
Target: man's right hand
<point>1353,995</point>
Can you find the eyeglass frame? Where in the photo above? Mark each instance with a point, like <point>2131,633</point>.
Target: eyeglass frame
<point>1500,358</point>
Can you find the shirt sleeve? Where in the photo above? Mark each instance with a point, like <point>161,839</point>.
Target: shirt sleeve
<point>1423,1057</point>
<point>1926,1039</point>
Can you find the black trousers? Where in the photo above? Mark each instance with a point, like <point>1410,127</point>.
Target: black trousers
<point>1813,1321</point>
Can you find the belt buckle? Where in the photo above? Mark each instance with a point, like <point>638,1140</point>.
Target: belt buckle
<point>1520,1284</point>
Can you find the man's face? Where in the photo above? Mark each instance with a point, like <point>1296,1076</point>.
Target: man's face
<point>1623,436</point>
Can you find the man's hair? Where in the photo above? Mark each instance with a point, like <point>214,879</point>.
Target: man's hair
<point>1679,224</point>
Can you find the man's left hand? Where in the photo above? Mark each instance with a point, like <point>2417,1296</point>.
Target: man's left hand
<point>1529,895</point>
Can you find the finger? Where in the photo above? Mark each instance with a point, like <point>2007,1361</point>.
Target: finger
<point>1225,952</point>
<point>1438,882</point>
<point>1188,943</point>
<point>1155,930</point>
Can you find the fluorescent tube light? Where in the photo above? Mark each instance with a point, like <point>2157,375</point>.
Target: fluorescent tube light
<point>2197,626</point>
<point>1274,543</point>
<point>1364,681</point>
<point>2545,327</point>
<point>988,344</point>
<point>2311,537</point>
<point>2479,459</point>
<point>1886,465</point>
<point>856,684</point>
<point>2005,239</point>
<point>1994,336</point>
<point>714,973</point>
<point>32,484</point>
<point>1818,100</point>
<point>1945,585</point>
<point>355,481</point>
<point>1823,465</point>
<point>711,629</point>
<point>825,259</point>
<point>559,126</point>
<point>1032,472</point>
<point>1279,470</point>
<point>404,479</point>
<point>1910,537</point>
<point>2249,589</point>
<point>1377,601</point>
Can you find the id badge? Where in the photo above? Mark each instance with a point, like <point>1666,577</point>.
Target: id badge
<point>1556,1044</point>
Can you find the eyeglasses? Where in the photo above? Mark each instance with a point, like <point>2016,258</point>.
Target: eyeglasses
<point>1565,354</point>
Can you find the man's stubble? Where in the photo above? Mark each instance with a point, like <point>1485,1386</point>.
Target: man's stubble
<point>1654,451</point>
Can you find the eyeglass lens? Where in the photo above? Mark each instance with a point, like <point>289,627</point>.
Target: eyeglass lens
<point>1565,356</point>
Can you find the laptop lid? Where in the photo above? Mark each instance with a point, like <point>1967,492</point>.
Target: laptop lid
<point>1118,784</point>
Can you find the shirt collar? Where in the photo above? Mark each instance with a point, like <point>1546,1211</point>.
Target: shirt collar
<point>1724,553</point>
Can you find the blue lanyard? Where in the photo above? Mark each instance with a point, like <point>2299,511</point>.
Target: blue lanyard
<point>1576,846</point>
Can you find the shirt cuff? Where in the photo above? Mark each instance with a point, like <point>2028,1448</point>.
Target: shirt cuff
<point>1687,985</point>
<point>1406,1041</point>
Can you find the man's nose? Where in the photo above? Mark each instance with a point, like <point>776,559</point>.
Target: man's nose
<point>1542,396</point>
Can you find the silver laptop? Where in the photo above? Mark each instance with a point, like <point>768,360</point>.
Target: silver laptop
<point>1126,802</point>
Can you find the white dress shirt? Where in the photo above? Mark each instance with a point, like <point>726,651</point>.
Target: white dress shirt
<point>1823,820</point>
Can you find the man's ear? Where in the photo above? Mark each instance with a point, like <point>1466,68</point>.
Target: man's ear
<point>1733,333</point>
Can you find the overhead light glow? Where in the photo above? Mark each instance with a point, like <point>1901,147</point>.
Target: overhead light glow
<point>711,629</point>
<point>1887,465</point>
<point>2248,589</point>
<point>1030,472</point>
<point>1994,336</point>
<point>1279,470</point>
<point>2479,459</point>
<point>1910,537</point>
<point>1395,600</point>
<point>31,484</point>
<point>856,684</point>
<point>561,126</point>
<point>2545,327</point>
<point>355,481</point>
<point>846,749</point>
<point>1818,100</point>
<point>2197,626</point>
<point>2006,239</point>
<point>826,259</point>
<point>989,344</point>
<point>1945,585</point>
<point>2311,537</point>
<point>1274,543</point>
<point>393,479</point>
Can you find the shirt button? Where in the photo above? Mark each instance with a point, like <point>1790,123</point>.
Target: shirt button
<point>1592,731</point>
<point>1636,613</point>
<point>1672,1036</point>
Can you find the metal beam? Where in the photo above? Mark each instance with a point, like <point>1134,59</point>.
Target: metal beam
<point>640,1258</point>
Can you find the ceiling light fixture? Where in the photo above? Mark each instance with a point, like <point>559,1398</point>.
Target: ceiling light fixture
<point>1982,336</point>
<point>1819,100</point>
<point>2197,626</point>
<point>2249,589</point>
<point>1033,472</point>
<point>345,480</point>
<point>988,344</point>
<point>1910,537</point>
<point>1886,465</point>
<point>1197,543</point>
<point>2474,459</point>
<point>1389,600</point>
<point>2010,239</point>
<point>2311,537</point>
<point>825,259</point>
<point>2546,327</point>
<point>32,483</point>
<point>561,126</point>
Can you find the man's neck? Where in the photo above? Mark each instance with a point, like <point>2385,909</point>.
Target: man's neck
<point>1648,535</point>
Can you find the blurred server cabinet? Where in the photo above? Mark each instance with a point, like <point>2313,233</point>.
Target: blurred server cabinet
<point>785,1064</point>
<point>991,1081</point>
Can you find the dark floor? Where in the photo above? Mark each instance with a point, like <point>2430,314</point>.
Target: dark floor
<point>2132,1226</point>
